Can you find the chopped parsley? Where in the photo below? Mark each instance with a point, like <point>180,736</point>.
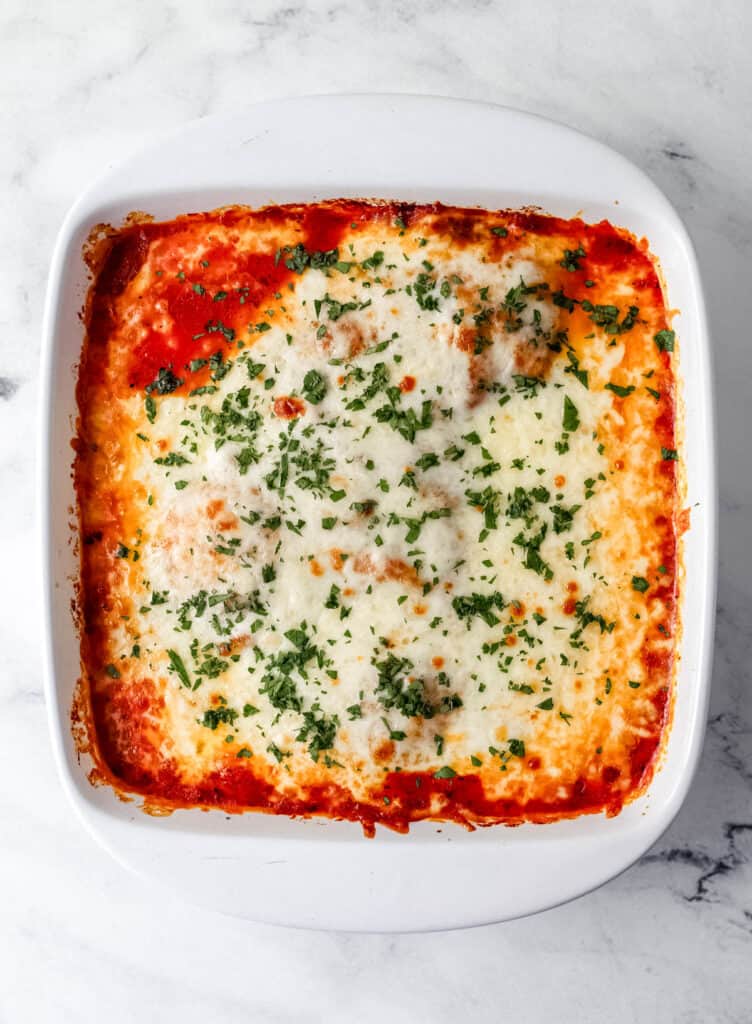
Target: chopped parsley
<point>533,560</point>
<point>571,417</point>
<point>314,387</point>
<point>622,392</point>
<point>334,308</point>
<point>563,517</point>
<point>665,340</point>
<point>482,606</point>
<point>571,258</point>
<point>164,383</point>
<point>575,369</point>
<point>527,386</point>
<point>279,682</point>
<point>220,715</point>
<point>298,258</point>
<point>398,689</point>
<point>487,502</point>
<point>607,317</point>
<point>178,667</point>
<point>318,731</point>
<point>427,461</point>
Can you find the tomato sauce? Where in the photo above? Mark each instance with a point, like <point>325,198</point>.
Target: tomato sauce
<point>403,798</point>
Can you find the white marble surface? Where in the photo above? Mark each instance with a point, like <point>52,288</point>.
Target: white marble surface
<point>82,83</point>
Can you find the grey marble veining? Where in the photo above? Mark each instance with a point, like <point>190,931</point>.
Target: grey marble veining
<point>81,85</point>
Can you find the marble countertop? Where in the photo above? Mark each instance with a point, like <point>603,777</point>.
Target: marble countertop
<point>82,84</point>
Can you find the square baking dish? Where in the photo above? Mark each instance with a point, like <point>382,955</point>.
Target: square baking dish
<point>325,874</point>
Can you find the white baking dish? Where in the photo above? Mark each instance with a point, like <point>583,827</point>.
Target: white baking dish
<point>325,874</point>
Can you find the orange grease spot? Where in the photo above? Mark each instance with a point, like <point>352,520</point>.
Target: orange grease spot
<point>384,752</point>
<point>287,407</point>
<point>337,559</point>
<point>407,383</point>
